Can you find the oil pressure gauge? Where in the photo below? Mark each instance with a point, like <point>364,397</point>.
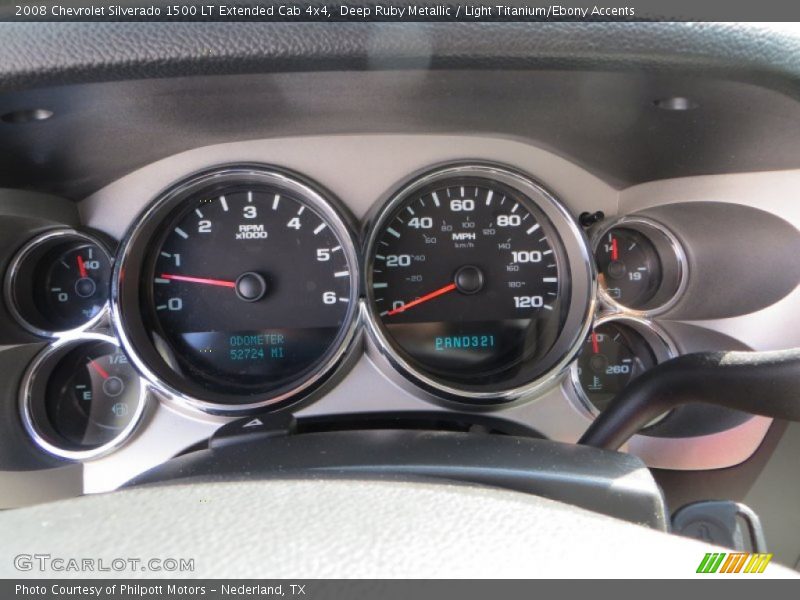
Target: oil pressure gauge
<point>58,283</point>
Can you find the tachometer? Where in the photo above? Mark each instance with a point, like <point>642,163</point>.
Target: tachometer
<point>248,288</point>
<point>477,282</point>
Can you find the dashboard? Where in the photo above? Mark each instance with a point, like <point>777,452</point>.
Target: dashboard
<point>407,228</point>
<point>444,275</point>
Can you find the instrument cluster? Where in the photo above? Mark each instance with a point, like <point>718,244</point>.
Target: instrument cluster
<point>246,288</point>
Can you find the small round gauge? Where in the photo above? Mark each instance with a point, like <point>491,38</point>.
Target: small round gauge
<point>617,351</point>
<point>59,283</point>
<point>630,267</point>
<point>247,293</point>
<point>641,265</point>
<point>476,284</point>
<point>82,398</point>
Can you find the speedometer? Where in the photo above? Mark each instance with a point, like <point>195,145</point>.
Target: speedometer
<point>239,289</point>
<point>478,283</point>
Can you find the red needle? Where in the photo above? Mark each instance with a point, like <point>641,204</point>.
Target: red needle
<point>99,369</point>
<point>82,267</point>
<point>443,290</point>
<point>595,344</point>
<point>203,280</point>
<point>614,249</point>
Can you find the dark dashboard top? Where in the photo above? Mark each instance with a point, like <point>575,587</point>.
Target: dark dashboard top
<point>585,91</point>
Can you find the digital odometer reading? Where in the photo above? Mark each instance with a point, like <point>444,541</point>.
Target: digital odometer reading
<point>250,288</point>
<point>467,278</point>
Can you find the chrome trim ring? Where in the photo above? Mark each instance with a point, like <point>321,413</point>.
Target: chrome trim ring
<point>125,310</point>
<point>668,244</point>
<point>17,263</point>
<point>660,343</point>
<point>42,366</point>
<point>582,299</point>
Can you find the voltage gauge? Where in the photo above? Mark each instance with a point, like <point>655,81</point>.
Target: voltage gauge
<point>641,266</point>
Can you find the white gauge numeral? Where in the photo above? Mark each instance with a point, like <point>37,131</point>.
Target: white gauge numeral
<point>421,223</point>
<point>175,304</point>
<point>294,223</point>
<point>204,226</point>
<point>462,205</point>
<point>509,220</point>
<point>526,256</point>
<point>528,301</point>
<point>398,260</point>
<point>323,254</point>
<point>329,297</point>
<point>250,211</point>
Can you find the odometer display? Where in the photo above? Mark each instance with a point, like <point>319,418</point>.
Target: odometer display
<point>249,291</point>
<point>469,283</point>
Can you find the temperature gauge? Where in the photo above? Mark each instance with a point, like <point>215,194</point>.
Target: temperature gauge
<point>617,351</point>
<point>59,283</point>
<point>82,398</point>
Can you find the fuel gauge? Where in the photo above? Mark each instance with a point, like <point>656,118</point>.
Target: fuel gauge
<point>82,398</point>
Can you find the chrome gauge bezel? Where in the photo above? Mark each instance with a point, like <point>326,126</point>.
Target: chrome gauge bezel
<point>673,258</point>
<point>582,293</point>
<point>126,315</point>
<point>42,367</point>
<point>660,343</point>
<point>23,254</point>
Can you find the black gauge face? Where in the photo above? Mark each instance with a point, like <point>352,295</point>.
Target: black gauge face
<point>629,267</point>
<point>61,283</point>
<point>469,281</point>
<point>92,395</point>
<point>247,291</point>
<point>74,284</point>
<point>612,356</point>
